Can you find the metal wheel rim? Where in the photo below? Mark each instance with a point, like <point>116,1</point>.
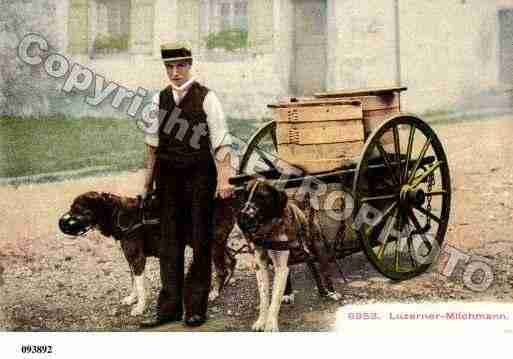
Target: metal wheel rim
<point>267,128</point>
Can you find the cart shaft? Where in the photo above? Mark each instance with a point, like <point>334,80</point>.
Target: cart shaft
<point>282,180</point>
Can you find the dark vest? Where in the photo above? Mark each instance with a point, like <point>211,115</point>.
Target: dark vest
<point>178,143</point>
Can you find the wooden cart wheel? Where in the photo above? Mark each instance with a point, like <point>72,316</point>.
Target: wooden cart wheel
<point>260,153</point>
<point>403,192</point>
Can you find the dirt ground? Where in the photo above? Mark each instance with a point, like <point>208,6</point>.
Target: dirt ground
<point>52,282</point>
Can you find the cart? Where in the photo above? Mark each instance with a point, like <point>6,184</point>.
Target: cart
<point>390,164</point>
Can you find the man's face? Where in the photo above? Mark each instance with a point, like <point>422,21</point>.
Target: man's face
<point>178,72</point>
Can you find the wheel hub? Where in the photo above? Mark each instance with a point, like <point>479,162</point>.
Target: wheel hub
<point>412,196</point>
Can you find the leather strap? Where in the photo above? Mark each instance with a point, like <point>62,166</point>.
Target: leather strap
<point>274,245</point>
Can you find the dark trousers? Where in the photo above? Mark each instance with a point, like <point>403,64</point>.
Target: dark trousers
<point>187,213</point>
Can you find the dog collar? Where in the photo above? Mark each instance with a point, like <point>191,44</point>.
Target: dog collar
<point>119,229</point>
<point>273,245</point>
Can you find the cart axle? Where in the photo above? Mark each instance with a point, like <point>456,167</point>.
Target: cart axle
<point>412,196</point>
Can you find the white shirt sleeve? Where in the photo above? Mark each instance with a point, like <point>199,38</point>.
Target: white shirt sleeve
<point>216,120</point>
<point>152,139</point>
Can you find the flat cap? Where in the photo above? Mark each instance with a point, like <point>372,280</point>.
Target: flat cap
<point>175,52</point>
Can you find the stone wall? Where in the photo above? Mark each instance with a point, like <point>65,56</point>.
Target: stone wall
<point>362,51</point>
<point>449,51</point>
<point>23,89</point>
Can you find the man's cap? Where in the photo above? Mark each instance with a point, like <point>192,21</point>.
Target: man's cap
<point>174,52</point>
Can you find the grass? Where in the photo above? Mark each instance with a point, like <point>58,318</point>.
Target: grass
<point>436,113</point>
<point>47,149</point>
<point>43,148</point>
<point>244,129</point>
<point>455,118</point>
<point>32,146</point>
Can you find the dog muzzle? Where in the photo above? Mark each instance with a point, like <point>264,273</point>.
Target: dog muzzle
<point>248,219</point>
<point>74,225</point>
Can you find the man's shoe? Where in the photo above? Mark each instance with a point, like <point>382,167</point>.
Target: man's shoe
<point>195,321</point>
<point>160,320</point>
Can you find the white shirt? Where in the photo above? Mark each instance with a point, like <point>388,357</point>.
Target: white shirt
<point>216,119</point>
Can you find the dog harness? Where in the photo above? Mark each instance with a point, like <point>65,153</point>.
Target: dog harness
<point>270,244</point>
<point>123,227</point>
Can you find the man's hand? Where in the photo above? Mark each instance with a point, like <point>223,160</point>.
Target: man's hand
<point>224,189</point>
<point>149,173</point>
<point>224,172</point>
<point>145,193</point>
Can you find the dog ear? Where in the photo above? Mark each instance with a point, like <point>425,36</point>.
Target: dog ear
<point>94,201</point>
<point>102,206</point>
<point>106,204</point>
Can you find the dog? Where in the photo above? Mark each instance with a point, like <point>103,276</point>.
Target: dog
<point>121,218</point>
<point>282,234</point>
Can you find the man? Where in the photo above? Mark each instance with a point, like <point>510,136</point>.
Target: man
<point>190,163</point>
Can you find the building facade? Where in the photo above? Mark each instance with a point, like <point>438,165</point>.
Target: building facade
<point>449,53</point>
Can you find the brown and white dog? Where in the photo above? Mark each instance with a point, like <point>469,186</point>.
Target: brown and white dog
<point>280,233</point>
<point>120,218</point>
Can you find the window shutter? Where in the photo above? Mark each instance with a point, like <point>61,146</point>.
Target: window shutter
<point>78,22</point>
<point>260,25</point>
<point>141,26</point>
<point>188,28</point>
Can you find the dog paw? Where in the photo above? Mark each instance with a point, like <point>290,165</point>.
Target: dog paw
<point>271,325</point>
<point>213,295</point>
<point>137,310</point>
<point>288,299</point>
<point>131,299</point>
<point>334,296</point>
<point>259,325</point>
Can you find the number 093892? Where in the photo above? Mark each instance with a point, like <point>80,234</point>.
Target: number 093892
<point>36,349</point>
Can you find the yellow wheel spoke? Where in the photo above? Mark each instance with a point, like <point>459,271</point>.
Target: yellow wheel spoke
<point>385,234</point>
<point>431,169</point>
<point>408,150</point>
<point>419,160</point>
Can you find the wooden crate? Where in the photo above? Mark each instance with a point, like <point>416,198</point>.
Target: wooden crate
<point>378,104</point>
<point>319,135</point>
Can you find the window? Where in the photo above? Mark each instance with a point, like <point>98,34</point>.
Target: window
<point>224,18</point>
<point>105,27</point>
<point>224,26</point>
<point>240,15</point>
<point>110,26</point>
<point>232,14</point>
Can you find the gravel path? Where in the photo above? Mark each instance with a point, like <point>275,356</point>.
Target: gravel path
<point>51,282</point>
